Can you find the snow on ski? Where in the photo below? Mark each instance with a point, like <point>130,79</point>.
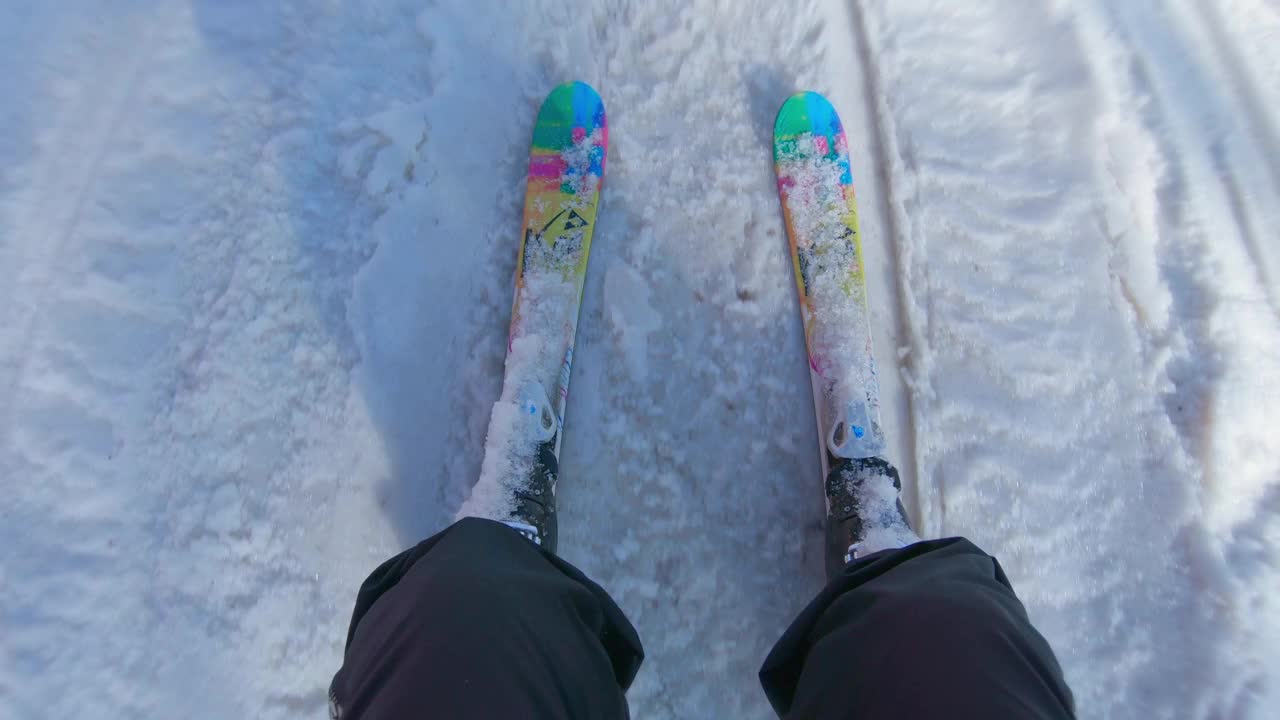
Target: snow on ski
<point>815,184</point>
<point>566,166</point>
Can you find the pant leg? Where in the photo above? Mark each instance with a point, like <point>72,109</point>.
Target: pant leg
<point>932,630</point>
<point>479,622</point>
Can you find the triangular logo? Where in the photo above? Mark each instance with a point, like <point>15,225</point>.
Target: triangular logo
<point>567,224</point>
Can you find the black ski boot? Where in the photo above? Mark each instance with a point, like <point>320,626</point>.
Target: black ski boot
<point>535,506</point>
<point>858,503</point>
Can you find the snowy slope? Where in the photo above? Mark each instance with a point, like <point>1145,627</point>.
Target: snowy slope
<point>254,289</point>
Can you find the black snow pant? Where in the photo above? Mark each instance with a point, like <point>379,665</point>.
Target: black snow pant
<point>478,622</point>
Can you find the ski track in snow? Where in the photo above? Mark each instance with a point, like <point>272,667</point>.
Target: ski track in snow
<point>1066,383</point>
<point>255,271</point>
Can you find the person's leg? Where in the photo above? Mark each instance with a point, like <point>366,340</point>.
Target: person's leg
<point>477,621</point>
<point>930,630</point>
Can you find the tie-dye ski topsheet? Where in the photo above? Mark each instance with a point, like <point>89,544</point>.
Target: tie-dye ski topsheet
<point>811,157</point>
<point>566,167</point>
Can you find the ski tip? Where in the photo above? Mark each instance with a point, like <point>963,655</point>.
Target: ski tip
<point>805,96</point>
<point>570,108</point>
<point>579,90</point>
<point>804,112</point>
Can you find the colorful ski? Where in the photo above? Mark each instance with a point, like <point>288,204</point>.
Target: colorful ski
<point>811,157</point>
<point>566,167</point>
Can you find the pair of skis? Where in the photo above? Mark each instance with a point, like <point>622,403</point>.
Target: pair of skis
<point>566,168</point>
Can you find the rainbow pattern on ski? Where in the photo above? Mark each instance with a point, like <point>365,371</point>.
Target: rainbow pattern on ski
<point>566,167</point>
<point>815,185</point>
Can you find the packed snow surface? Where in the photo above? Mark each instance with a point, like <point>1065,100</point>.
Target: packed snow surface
<point>255,282</point>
